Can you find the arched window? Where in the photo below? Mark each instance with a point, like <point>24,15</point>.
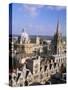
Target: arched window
<point>26,83</point>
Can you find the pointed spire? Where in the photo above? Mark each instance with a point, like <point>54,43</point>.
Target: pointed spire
<point>23,30</point>
<point>57,30</point>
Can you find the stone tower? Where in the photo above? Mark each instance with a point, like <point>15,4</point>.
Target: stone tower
<point>56,44</point>
<point>37,40</point>
<point>24,37</point>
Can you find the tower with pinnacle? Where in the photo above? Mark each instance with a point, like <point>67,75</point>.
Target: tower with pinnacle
<point>57,44</point>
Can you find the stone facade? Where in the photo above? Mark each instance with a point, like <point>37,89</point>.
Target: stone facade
<point>42,70</point>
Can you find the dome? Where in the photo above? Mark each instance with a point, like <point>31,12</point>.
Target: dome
<point>24,37</point>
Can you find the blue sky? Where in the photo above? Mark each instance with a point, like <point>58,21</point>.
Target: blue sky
<point>38,19</point>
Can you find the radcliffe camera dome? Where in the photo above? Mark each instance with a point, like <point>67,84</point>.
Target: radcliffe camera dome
<point>24,37</point>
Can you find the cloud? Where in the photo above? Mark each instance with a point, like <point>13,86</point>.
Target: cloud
<point>33,10</point>
<point>58,8</point>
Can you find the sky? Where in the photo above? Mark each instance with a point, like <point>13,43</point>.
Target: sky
<point>38,19</point>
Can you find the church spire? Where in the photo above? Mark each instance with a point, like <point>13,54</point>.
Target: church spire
<point>58,27</point>
<point>57,41</point>
<point>23,30</point>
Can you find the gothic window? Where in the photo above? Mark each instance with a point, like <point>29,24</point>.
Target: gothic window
<point>50,66</point>
<point>54,65</point>
<point>40,68</point>
<point>49,61</point>
<point>26,83</point>
<point>45,68</point>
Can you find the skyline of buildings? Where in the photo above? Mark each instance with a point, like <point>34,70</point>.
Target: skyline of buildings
<point>37,62</point>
